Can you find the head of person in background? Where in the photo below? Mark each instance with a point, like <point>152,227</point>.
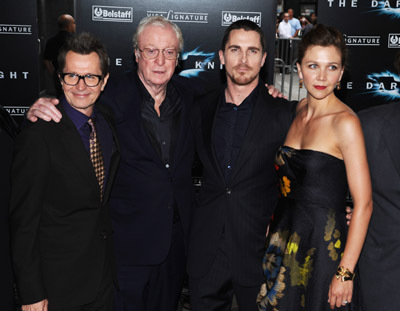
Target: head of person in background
<point>313,18</point>
<point>66,23</point>
<point>304,21</point>
<point>322,56</point>
<point>291,13</point>
<point>243,52</point>
<point>286,17</point>
<point>83,71</point>
<point>157,43</point>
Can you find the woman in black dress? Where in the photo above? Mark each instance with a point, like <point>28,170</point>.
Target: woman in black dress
<point>310,258</point>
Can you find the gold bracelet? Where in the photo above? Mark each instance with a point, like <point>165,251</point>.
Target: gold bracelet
<point>344,274</point>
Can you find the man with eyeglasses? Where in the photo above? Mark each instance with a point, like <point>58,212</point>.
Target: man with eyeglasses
<point>62,175</point>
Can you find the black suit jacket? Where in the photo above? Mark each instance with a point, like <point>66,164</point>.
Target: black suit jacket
<point>242,207</point>
<point>60,228</point>
<point>379,261</point>
<point>145,191</point>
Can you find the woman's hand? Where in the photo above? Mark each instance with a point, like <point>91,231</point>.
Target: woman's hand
<point>340,293</point>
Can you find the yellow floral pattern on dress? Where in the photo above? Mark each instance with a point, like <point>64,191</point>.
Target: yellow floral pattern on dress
<point>332,236</point>
<point>284,247</point>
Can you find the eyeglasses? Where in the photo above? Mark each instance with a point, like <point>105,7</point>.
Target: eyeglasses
<point>73,79</point>
<point>153,53</point>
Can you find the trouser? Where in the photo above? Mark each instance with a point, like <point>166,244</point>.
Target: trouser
<point>215,290</point>
<point>153,287</point>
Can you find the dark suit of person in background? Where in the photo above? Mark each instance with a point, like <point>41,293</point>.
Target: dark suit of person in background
<point>237,132</point>
<point>59,214</point>
<point>8,134</point>
<point>379,268</point>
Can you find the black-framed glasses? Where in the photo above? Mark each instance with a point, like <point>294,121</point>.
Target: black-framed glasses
<point>73,79</point>
<point>153,53</point>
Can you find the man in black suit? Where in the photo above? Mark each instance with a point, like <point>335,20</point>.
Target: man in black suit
<point>237,131</point>
<point>379,268</point>
<point>62,175</point>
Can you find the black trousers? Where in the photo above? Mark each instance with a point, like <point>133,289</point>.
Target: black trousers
<point>214,291</point>
<point>155,287</point>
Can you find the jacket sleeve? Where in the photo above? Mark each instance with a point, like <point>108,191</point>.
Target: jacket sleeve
<point>29,179</point>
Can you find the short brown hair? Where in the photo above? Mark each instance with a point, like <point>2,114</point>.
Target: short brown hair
<point>84,44</point>
<point>323,36</point>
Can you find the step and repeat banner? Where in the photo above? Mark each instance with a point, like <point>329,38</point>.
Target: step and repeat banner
<point>19,55</point>
<point>202,24</point>
<point>372,32</point>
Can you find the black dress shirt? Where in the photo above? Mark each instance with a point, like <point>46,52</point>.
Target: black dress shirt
<point>230,127</point>
<point>162,130</point>
<point>103,132</point>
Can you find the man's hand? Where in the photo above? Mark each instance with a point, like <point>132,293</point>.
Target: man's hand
<point>38,306</point>
<point>274,92</point>
<point>45,109</point>
<point>349,214</point>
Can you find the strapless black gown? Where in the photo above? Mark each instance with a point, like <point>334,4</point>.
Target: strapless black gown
<point>308,231</point>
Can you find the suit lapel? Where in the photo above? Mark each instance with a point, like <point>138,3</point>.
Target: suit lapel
<point>252,136</point>
<point>184,129</point>
<point>209,109</point>
<point>74,147</point>
<point>115,156</point>
<point>134,111</point>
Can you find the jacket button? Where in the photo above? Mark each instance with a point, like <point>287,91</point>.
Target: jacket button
<point>104,235</point>
<point>228,191</point>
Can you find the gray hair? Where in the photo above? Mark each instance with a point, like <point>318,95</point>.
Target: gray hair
<point>157,21</point>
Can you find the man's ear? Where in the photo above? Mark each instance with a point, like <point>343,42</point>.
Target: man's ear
<point>221,57</point>
<point>263,59</point>
<point>105,79</point>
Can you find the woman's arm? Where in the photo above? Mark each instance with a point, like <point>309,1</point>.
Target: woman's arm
<point>351,144</point>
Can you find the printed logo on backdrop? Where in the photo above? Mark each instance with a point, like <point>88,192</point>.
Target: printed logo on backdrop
<point>10,29</point>
<point>181,17</point>
<point>195,62</point>
<point>385,84</point>
<point>362,40</point>
<point>391,8</point>
<point>16,110</point>
<point>102,13</point>
<point>229,17</point>
<point>14,75</point>
<point>394,40</point>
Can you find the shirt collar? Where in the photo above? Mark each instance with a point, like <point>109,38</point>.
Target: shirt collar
<point>249,100</point>
<point>78,118</point>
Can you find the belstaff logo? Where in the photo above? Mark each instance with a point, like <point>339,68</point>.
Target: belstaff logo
<point>10,29</point>
<point>102,13</point>
<point>181,17</point>
<point>394,40</point>
<point>362,40</point>
<point>229,17</point>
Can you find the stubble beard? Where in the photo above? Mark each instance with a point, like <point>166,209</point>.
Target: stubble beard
<point>242,79</point>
